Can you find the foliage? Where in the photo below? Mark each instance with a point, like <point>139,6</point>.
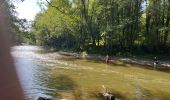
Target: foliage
<point>19,27</point>
<point>124,24</point>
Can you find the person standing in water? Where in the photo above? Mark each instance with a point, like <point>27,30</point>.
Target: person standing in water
<point>107,59</point>
<point>155,62</point>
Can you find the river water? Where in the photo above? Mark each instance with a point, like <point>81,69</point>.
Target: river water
<point>32,72</point>
<point>47,74</point>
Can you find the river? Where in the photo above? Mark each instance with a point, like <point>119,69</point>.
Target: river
<point>32,72</point>
<point>52,75</point>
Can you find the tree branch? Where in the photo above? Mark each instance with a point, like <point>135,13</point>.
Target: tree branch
<point>57,8</point>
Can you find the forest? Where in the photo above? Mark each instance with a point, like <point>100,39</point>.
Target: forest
<point>87,50</point>
<point>101,26</point>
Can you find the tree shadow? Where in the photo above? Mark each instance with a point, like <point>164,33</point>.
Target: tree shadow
<point>63,83</point>
<point>58,85</point>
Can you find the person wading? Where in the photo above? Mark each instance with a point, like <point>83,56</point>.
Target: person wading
<point>107,59</point>
<point>155,62</point>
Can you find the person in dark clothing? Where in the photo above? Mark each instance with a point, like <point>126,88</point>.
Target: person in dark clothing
<point>155,62</point>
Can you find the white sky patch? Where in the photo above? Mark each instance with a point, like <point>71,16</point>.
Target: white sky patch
<point>27,9</point>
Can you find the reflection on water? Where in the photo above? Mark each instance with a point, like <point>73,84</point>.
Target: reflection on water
<point>32,72</point>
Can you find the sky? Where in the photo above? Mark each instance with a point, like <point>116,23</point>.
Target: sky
<point>27,9</point>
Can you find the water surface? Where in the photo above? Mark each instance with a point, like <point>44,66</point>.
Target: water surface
<point>32,72</point>
<point>50,74</point>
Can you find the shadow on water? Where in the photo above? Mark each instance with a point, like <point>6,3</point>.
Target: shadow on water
<point>140,93</point>
<point>66,88</point>
<point>61,84</point>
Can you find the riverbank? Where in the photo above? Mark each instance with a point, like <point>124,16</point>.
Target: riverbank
<point>148,63</point>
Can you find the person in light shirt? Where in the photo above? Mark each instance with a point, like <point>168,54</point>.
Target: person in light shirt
<point>107,58</point>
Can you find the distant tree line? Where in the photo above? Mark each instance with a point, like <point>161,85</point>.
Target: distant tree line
<point>18,27</point>
<point>106,25</point>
